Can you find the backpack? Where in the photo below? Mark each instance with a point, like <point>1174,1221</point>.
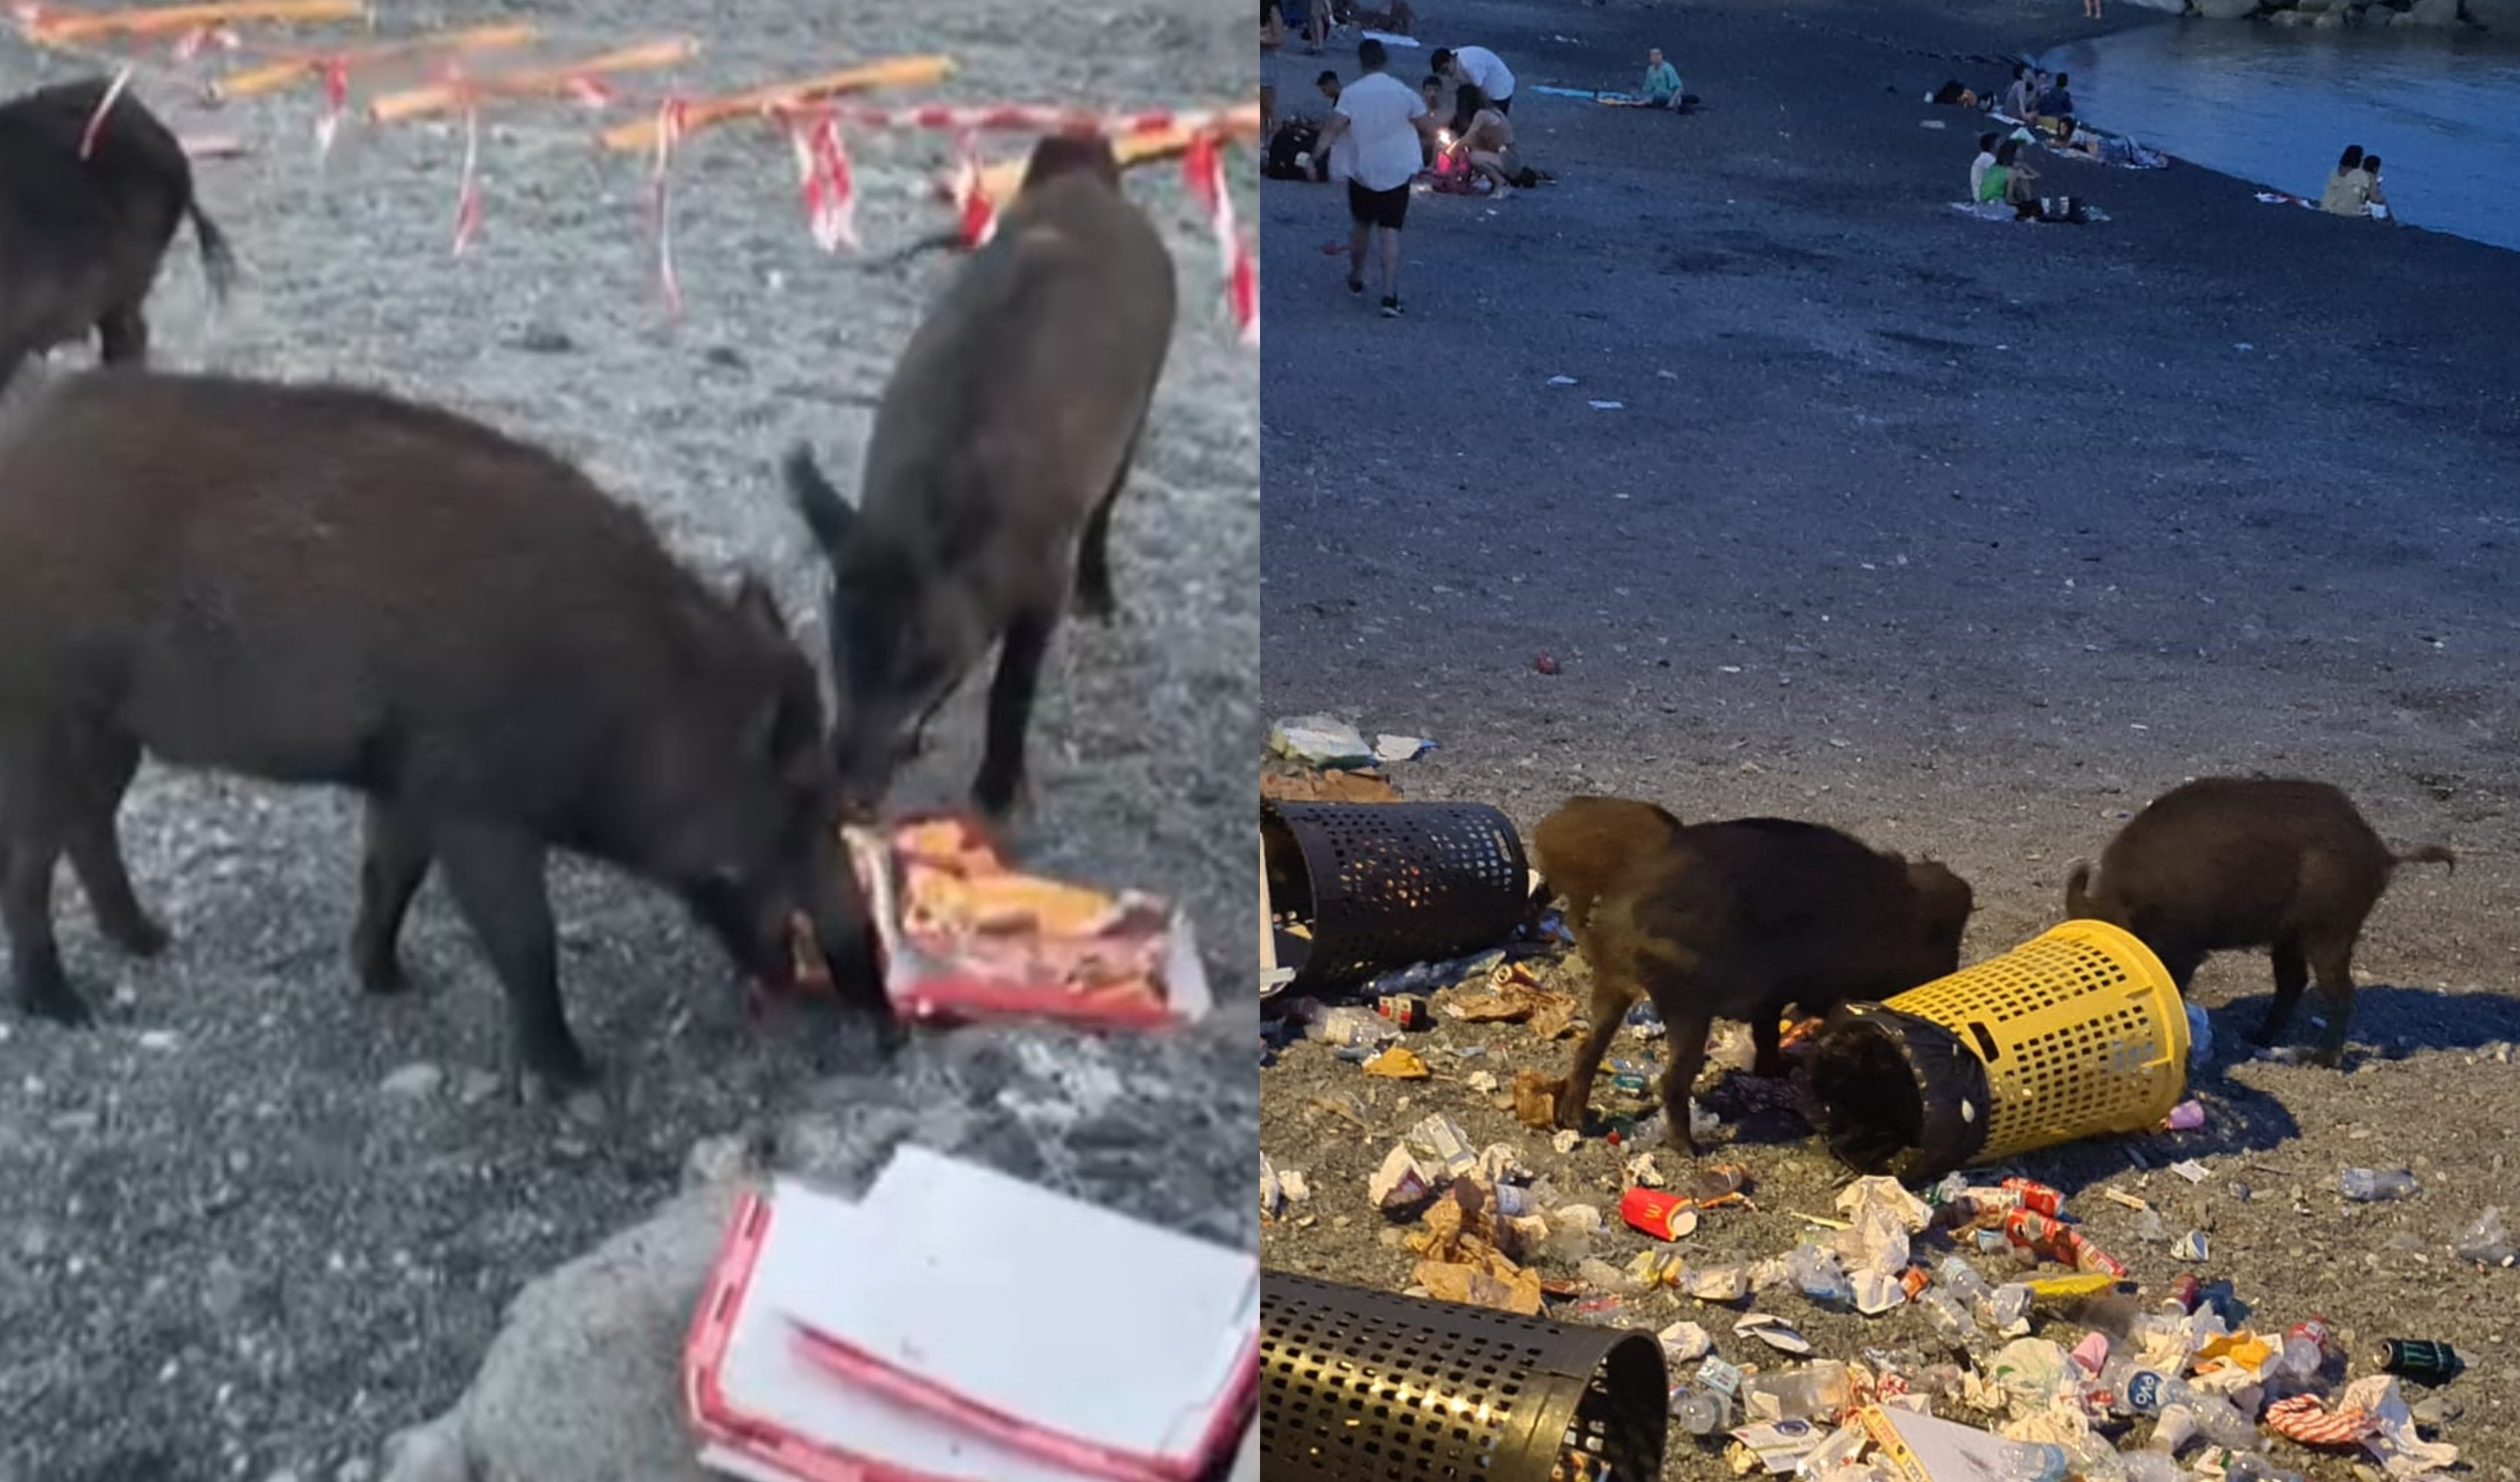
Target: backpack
<point>1294,137</point>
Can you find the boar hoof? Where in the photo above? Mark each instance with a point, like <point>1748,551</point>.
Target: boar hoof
<point>382,976</point>
<point>1101,607</point>
<point>137,936</point>
<point>1570,1113</point>
<point>998,798</point>
<point>58,1002</point>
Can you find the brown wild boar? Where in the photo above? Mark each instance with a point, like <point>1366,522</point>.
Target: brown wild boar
<point>1000,445</point>
<point>2225,863</point>
<point>1591,846</point>
<point>1738,919</point>
<point>81,240</point>
<point>324,585</point>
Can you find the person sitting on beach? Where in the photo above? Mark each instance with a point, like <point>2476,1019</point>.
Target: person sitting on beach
<point>2372,192</point>
<point>1488,143</point>
<point>1954,92</point>
<point>1662,80</point>
<point>1273,25</point>
<point>1480,67</point>
<point>2348,189</point>
<point>1984,163</point>
<point>2017,98</point>
<point>2058,101</point>
<point>2009,180</point>
<point>1311,18</point>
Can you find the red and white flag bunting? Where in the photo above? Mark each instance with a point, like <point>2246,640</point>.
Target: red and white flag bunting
<point>824,181</point>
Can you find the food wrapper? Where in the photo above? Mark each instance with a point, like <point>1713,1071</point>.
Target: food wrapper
<point>1888,1196</point>
<point>1398,1065</point>
<point>1398,1182</point>
<point>964,935</point>
<point>2395,1444</point>
<point>1535,1098</point>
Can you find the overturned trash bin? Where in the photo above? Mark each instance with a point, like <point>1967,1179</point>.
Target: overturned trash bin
<point>1355,889</point>
<point>2074,1033</point>
<point>1363,1386</point>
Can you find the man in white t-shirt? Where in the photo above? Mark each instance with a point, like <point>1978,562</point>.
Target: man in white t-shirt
<point>1481,68</point>
<point>1373,138</point>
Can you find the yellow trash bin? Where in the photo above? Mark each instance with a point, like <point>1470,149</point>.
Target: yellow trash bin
<point>2074,1033</point>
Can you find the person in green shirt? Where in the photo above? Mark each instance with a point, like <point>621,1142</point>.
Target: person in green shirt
<point>1662,80</point>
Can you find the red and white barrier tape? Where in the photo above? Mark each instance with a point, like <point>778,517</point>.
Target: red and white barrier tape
<point>337,102</point>
<point>202,38</point>
<point>467,189</point>
<point>672,119</point>
<point>979,212</point>
<point>1204,169</point>
<point>825,182</point>
<point>103,105</point>
<point>1012,117</point>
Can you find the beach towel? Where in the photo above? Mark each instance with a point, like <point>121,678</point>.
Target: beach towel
<point>1388,39</point>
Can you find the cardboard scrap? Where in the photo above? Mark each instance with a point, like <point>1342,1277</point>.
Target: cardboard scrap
<point>1328,787</point>
<point>1516,1000</point>
<point>1535,1098</point>
<point>1469,1252</point>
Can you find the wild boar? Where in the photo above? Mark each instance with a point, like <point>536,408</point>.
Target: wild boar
<point>327,585</point>
<point>1592,845</point>
<point>1738,919</point>
<point>81,239</point>
<point>2225,863</point>
<point>1000,445</point>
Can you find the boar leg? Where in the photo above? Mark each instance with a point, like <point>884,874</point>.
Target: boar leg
<point>1767,1044</point>
<point>2292,976</point>
<point>122,337</point>
<point>1010,697</point>
<point>1094,595</point>
<point>2331,961</point>
<point>38,826</point>
<point>496,876</point>
<point>1686,1039</point>
<point>395,862</point>
<point>96,853</point>
<point>1611,996</point>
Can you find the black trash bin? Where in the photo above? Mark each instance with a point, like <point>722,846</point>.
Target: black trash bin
<point>1383,885</point>
<point>1365,1386</point>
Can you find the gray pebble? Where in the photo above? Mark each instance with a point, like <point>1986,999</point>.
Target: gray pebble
<point>418,1080</point>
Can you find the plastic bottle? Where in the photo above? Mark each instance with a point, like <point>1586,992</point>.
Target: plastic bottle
<point>1964,1282</point>
<point>1819,1391</point>
<point>2008,1304</point>
<point>1822,1277</point>
<point>2251,1467</point>
<point>1949,1317</point>
<point>2366,1184</point>
<point>2149,1392</point>
<point>1701,1410</point>
<point>2149,1466</point>
<point>2030,1461</point>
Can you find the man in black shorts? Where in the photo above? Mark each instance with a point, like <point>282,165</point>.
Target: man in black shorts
<point>1382,120</point>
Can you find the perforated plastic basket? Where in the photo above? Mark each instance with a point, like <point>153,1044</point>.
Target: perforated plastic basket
<point>1365,1386</point>
<point>2081,1029</point>
<point>1383,885</point>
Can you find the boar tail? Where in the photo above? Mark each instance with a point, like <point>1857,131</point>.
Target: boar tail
<point>2427,853</point>
<point>825,513</point>
<point>218,260</point>
<point>2077,891</point>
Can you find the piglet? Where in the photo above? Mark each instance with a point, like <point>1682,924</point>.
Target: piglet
<point>2225,863</point>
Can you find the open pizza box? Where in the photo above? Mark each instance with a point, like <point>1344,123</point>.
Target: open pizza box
<point>960,934</point>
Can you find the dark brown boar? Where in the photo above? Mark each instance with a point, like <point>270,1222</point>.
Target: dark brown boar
<point>1738,919</point>
<point>1592,845</point>
<point>326,585</point>
<point>2225,863</point>
<point>999,448</point>
<point>81,239</point>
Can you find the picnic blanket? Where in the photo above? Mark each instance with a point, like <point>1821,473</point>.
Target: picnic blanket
<point>1612,99</point>
<point>1996,210</point>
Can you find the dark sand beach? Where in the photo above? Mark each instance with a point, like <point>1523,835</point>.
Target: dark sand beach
<point>1968,537</point>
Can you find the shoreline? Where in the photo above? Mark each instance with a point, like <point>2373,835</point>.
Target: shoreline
<point>1966,537</point>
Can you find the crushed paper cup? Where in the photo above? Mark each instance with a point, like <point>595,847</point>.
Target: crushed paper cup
<point>1398,1182</point>
<point>1684,1344</point>
<point>1887,1194</point>
<point>1716,1284</point>
<point>2190,1246</point>
<point>1877,1291</point>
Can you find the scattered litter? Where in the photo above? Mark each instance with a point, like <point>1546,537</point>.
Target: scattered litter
<point>1775,1332</point>
<point>1401,748</point>
<point>2120,1197</point>
<point>1484,1082</point>
<point>1607,406</point>
<point>1716,1284</point>
<point>2187,1116</point>
<point>1319,740</point>
<point>1398,1064</point>
<point>2486,1243</point>
<point>2190,1246</point>
<point>1684,1343</point>
<point>1398,1182</point>
<point>1779,1446</point>
<point>2365,1185</point>
<point>1534,1101</point>
<point>164,1039</point>
<point>1658,1213</point>
<point>1561,380</point>
<point>2190,1170</point>
<point>1642,1173</point>
<point>1565,1138</point>
<point>1441,1146</point>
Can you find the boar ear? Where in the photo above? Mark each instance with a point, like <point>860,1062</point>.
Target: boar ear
<point>754,604</point>
<point>825,513</point>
